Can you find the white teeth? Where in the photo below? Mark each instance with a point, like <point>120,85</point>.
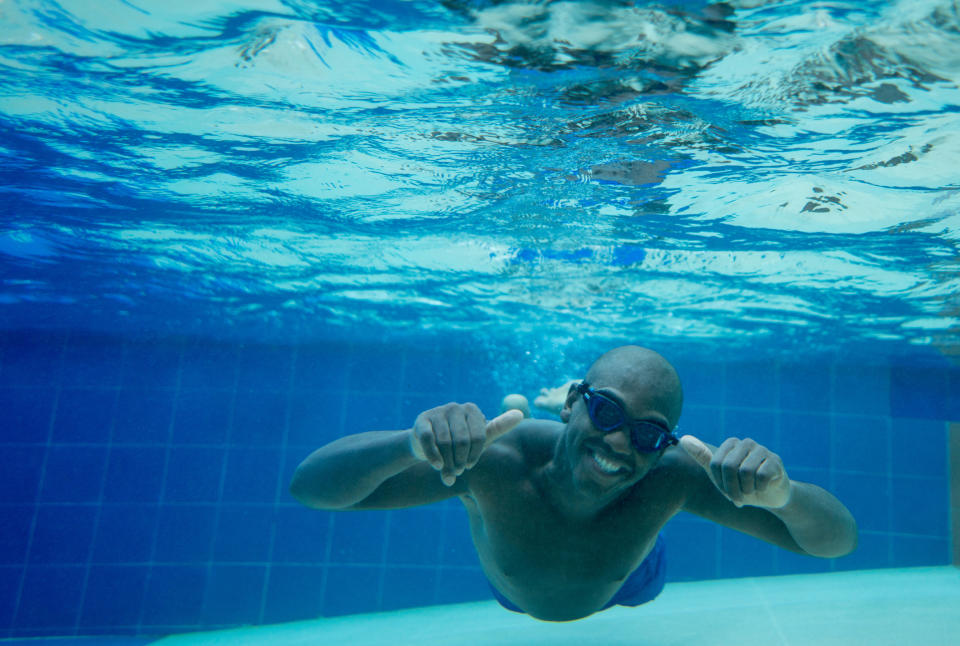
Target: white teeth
<point>605,465</point>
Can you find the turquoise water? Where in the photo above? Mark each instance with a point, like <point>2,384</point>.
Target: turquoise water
<point>870,608</point>
<point>771,175</point>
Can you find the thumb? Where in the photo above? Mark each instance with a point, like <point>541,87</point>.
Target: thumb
<point>697,450</point>
<point>502,424</point>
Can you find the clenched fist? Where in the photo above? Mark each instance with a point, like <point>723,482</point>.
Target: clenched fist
<point>452,437</point>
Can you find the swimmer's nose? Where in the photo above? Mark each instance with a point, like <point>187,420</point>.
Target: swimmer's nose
<point>618,441</point>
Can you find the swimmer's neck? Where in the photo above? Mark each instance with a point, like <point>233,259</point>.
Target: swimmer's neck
<point>554,480</point>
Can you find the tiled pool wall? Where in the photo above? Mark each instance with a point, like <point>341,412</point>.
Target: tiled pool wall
<point>143,485</point>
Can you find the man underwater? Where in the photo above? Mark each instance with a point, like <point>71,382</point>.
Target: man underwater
<point>566,516</point>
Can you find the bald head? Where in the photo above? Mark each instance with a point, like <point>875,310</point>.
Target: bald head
<point>632,366</point>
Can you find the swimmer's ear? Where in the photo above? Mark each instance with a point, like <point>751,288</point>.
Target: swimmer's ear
<point>572,395</point>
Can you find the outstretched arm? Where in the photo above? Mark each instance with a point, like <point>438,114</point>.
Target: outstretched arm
<point>388,469</point>
<point>744,485</point>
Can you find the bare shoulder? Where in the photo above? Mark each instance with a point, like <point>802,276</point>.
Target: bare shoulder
<point>518,452</point>
<point>678,473</point>
<point>536,439</point>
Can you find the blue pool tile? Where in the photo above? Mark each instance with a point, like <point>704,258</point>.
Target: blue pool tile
<point>174,595</point>
<point>15,533</point>
<point>259,418</point>
<point>919,447</point>
<point>805,439</point>
<point>252,475</point>
<point>861,443</point>
<point>358,537</point>
<point>134,474</point>
<point>742,555</point>
<point>691,550</point>
<point>704,422</point>
<point>32,359</point>
<point>234,594</point>
<point>84,415</point>
<point>50,598</point>
<point>294,593</point>
<point>461,585</point>
<point>322,367</point>
<point>9,587</point>
<point>185,534</point>
<point>862,389</point>
<point>921,506</point>
<point>317,417</point>
<point>193,474</point>
<point>430,370</point>
<point>873,551</point>
<point>477,382</point>
<point>301,536</point>
<point>265,368</point>
<point>125,533</point>
<point>27,414</point>
<point>151,365</point>
<point>703,383</point>
<point>918,392</point>
<point>373,411</point>
<point>20,475</point>
<point>351,590</point>
<point>202,416</point>
<point>806,387</point>
<point>752,385</point>
<point>74,474</point>
<point>918,551</point>
<point>143,416</point>
<point>414,537</point>
<point>243,534</point>
<point>868,497</point>
<point>209,366</point>
<point>91,362</point>
<point>372,368</point>
<point>760,426</point>
<point>114,595</point>
<point>411,405</point>
<point>62,534</point>
<point>408,587</point>
<point>953,394</point>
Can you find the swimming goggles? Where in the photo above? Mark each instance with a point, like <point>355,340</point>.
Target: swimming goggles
<point>608,416</point>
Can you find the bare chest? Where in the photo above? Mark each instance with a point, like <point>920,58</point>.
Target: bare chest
<point>535,555</point>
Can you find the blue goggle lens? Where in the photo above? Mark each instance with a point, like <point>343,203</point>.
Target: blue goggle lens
<point>607,416</point>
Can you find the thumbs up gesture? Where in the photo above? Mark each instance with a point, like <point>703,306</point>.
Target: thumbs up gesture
<point>453,436</point>
<point>745,472</point>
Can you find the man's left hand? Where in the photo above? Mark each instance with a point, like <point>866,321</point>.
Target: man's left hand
<point>745,472</point>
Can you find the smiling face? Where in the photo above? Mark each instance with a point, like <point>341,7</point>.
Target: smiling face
<point>647,387</point>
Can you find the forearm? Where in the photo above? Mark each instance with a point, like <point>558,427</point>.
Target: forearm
<point>819,523</point>
<point>348,470</point>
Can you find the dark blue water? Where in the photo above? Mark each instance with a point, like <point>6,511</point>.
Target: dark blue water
<point>770,176</point>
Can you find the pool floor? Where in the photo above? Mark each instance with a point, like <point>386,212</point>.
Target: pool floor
<point>871,608</point>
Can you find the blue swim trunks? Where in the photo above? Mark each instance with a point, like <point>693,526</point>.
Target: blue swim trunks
<point>643,584</point>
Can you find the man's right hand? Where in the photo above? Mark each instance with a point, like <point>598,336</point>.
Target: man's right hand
<point>453,436</point>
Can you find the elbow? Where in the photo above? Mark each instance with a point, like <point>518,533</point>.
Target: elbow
<point>851,537</point>
<point>843,543</point>
<point>298,491</point>
<point>852,541</point>
<point>303,493</point>
<point>310,495</point>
